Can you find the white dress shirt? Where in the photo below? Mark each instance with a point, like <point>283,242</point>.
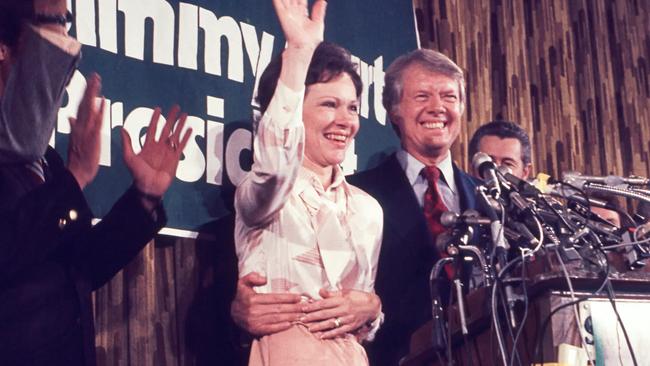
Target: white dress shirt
<point>446,184</point>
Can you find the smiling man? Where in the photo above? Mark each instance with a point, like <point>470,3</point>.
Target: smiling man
<point>425,99</point>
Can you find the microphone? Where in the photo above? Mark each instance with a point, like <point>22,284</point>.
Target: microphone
<point>469,217</point>
<point>557,190</point>
<point>486,169</point>
<point>562,191</point>
<point>579,180</point>
<point>522,186</point>
<point>450,241</point>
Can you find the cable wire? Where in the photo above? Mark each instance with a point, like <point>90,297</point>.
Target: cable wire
<point>540,335</point>
<point>525,316</point>
<point>610,296</point>
<point>575,308</point>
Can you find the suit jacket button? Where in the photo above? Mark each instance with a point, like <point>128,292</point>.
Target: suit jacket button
<point>62,223</point>
<point>73,215</point>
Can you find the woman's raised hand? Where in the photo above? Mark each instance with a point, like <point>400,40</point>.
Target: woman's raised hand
<point>301,30</point>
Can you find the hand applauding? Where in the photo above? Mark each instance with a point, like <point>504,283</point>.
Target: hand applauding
<point>154,167</point>
<point>84,145</point>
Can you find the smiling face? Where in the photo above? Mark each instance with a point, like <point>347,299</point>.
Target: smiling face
<point>330,115</point>
<point>428,114</point>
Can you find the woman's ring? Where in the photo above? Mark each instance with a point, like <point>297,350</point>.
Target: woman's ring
<point>337,322</point>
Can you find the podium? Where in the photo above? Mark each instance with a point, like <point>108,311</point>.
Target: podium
<point>547,289</point>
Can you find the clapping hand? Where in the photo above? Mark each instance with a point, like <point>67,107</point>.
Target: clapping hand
<point>84,145</point>
<point>154,167</point>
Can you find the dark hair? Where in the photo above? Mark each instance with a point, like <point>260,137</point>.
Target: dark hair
<point>502,129</point>
<point>432,61</point>
<point>328,62</point>
<point>13,13</point>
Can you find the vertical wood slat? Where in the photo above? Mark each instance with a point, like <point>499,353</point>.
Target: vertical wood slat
<point>111,319</point>
<point>136,312</point>
<point>141,298</point>
<point>170,305</point>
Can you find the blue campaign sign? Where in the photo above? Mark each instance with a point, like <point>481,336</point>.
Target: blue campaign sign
<point>207,57</point>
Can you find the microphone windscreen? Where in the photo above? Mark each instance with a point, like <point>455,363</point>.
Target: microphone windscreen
<point>479,159</point>
<point>449,218</point>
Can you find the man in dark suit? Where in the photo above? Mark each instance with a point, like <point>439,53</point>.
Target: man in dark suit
<point>425,98</point>
<point>51,258</point>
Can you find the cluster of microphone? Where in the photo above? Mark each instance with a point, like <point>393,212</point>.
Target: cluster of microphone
<point>519,219</point>
<point>549,212</point>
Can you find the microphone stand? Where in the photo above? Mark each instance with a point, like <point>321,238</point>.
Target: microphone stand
<point>460,300</point>
<point>439,341</point>
<point>500,251</point>
<point>485,268</point>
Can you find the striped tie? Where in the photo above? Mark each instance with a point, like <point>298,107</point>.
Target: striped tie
<point>37,171</point>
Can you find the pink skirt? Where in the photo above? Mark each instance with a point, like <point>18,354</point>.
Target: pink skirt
<point>297,346</point>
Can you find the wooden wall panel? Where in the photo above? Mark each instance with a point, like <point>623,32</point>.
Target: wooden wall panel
<point>111,323</point>
<point>170,305</point>
<point>573,73</point>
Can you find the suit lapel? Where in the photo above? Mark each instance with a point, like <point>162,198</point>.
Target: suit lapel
<point>466,187</point>
<point>398,199</point>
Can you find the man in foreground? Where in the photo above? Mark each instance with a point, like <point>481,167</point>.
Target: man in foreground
<point>51,258</point>
<point>425,99</point>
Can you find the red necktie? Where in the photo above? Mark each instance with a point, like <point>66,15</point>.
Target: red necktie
<point>434,207</point>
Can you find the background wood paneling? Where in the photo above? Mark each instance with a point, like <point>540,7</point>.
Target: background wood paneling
<point>573,73</point>
<point>170,305</point>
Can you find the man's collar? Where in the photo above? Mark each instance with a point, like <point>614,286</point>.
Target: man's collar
<point>412,167</point>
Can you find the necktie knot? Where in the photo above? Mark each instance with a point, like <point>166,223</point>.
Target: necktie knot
<point>431,174</point>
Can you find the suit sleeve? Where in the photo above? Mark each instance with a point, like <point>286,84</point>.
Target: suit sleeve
<point>110,245</point>
<point>35,224</point>
<point>42,67</point>
<point>52,222</point>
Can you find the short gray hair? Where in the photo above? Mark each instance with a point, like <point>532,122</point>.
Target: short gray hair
<point>431,60</point>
